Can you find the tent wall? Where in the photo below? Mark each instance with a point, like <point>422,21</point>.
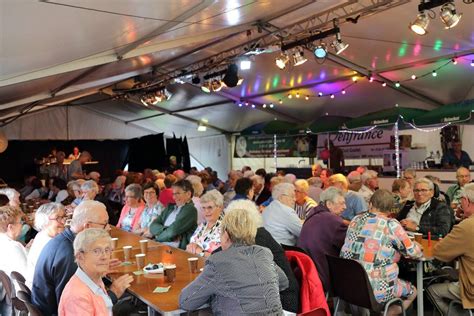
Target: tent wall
<point>213,151</point>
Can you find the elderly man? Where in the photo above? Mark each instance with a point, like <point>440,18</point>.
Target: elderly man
<point>94,175</point>
<point>56,264</point>
<point>315,189</point>
<point>75,168</point>
<point>233,176</point>
<point>279,218</point>
<point>370,184</point>
<point>456,157</point>
<point>261,192</point>
<point>409,175</point>
<point>426,213</point>
<point>355,203</point>
<point>463,175</point>
<point>355,181</point>
<point>89,190</point>
<point>244,189</point>
<point>458,245</point>
<point>303,202</point>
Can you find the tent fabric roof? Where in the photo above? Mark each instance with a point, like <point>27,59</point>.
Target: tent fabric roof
<point>80,53</point>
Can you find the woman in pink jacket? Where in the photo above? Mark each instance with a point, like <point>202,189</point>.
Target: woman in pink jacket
<point>133,208</point>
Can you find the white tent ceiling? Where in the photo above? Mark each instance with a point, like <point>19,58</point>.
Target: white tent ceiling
<point>60,61</point>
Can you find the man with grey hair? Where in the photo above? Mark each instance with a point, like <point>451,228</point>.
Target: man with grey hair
<point>233,176</point>
<point>89,189</point>
<point>463,177</point>
<point>280,218</point>
<point>261,192</point>
<point>315,188</point>
<point>355,181</point>
<point>94,175</point>
<point>426,213</point>
<point>458,245</point>
<point>75,168</point>
<point>56,263</point>
<point>370,184</point>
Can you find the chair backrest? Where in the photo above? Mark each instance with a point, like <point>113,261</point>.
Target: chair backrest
<point>18,277</point>
<point>7,287</point>
<point>347,275</point>
<point>293,248</point>
<point>26,298</point>
<point>315,312</point>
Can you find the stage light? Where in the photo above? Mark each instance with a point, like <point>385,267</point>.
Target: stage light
<point>298,58</point>
<point>339,46</point>
<point>320,51</point>
<point>421,24</point>
<point>196,80</point>
<point>231,77</point>
<point>282,60</point>
<point>245,64</point>
<point>449,16</point>
<point>216,85</point>
<point>202,127</point>
<point>206,87</point>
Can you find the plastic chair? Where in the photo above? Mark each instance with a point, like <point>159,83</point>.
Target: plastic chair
<point>347,275</point>
<point>455,302</point>
<point>26,298</point>
<point>10,295</point>
<point>20,279</point>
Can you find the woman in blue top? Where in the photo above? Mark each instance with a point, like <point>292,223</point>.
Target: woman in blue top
<point>152,209</point>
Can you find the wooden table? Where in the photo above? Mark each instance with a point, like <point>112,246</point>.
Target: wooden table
<point>427,256</point>
<point>143,285</point>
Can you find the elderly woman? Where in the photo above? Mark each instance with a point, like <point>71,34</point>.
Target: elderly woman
<point>244,278</point>
<point>303,202</point>
<point>324,224</point>
<point>12,195</point>
<point>279,218</point>
<point>207,237</point>
<point>401,192</point>
<point>89,189</point>
<point>378,242</point>
<point>85,292</point>
<point>198,190</point>
<point>49,221</point>
<point>152,209</point>
<point>13,254</point>
<point>132,211</point>
<point>177,223</point>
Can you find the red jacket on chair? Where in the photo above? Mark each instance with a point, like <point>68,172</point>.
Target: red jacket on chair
<point>311,289</point>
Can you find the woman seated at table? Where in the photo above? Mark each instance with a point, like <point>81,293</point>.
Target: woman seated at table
<point>152,209</point>
<point>401,191</point>
<point>13,254</point>
<point>132,210</point>
<point>378,242</point>
<point>242,278</point>
<point>85,293</point>
<point>49,222</point>
<point>207,237</point>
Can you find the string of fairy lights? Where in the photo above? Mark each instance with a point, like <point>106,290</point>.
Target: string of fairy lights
<point>344,90</point>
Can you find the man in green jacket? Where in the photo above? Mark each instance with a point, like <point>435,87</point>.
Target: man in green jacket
<point>177,223</point>
<point>463,175</point>
<point>458,244</point>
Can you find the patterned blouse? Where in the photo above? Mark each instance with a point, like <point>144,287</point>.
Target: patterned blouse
<point>208,240</point>
<point>377,243</point>
<point>149,213</point>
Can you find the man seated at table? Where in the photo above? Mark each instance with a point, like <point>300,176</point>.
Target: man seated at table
<point>456,157</point>
<point>426,213</point>
<point>370,184</point>
<point>261,191</point>
<point>177,223</point>
<point>355,203</point>
<point>56,263</point>
<point>244,189</point>
<point>75,168</point>
<point>279,218</point>
<point>463,176</point>
<point>458,244</point>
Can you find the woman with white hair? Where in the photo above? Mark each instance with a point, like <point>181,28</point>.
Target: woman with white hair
<point>132,211</point>
<point>85,292</point>
<point>89,189</point>
<point>207,236</point>
<point>198,190</point>
<point>13,254</point>
<point>12,195</point>
<point>49,222</point>
<point>241,279</point>
<point>280,218</point>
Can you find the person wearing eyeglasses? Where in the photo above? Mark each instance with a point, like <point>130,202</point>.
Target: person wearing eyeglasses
<point>457,245</point>
<point>56,263</point>
<point>463,177</point>
<point>177,223</point>
<point>132,210</point>
<point>49,222</point>
<point>426,213</point>
<point>85,293</point>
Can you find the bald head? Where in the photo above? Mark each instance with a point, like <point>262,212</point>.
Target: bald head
<point>463,175</point>
<point>89,214</point>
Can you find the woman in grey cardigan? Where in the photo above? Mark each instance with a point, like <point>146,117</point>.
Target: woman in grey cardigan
<point>242,279</point>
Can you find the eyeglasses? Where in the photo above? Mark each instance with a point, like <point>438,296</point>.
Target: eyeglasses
<point>60,219</point>
<point>104,226</point>
<point>99,251</point>
<point>421,190</point>
<point>178,193</point>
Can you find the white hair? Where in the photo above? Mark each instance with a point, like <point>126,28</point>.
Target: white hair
<point>94,175</point>
<point>468,192</point>
<point>354,176</point>
<point>258,179</point>
<point>196,183</point>
<point>426,181</point>
<point>213,196</point>
<point>90,186</point>
<point>44,212</point>
<point>247,205</point>
<point>136,190</point>
<point>282,189</point>
<point>369,174</point>
<point>290,178</point>
<point>330,194</point>
<point>315,181</point>
<point>249,174</point>
<point>85,212</point>
<point>85,239</point>
<point>10,193</point>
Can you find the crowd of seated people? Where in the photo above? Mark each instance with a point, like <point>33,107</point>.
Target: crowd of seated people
<point>327,214</point>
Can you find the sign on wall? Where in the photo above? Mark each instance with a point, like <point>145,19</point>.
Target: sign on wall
<point>287,146</point>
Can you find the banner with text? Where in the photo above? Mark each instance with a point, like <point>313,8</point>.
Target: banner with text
<point>370,144</point>
<point>287,146</point>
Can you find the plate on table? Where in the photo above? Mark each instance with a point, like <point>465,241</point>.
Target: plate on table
<point>153,268</point>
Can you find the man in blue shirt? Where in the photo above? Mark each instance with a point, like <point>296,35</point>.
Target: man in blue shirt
<point>456,157</point>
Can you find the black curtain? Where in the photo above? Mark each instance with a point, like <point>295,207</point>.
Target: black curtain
<point>173,148</point>
<point>185,154</point>
<point>147,152</point>
<point>18,160</point>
